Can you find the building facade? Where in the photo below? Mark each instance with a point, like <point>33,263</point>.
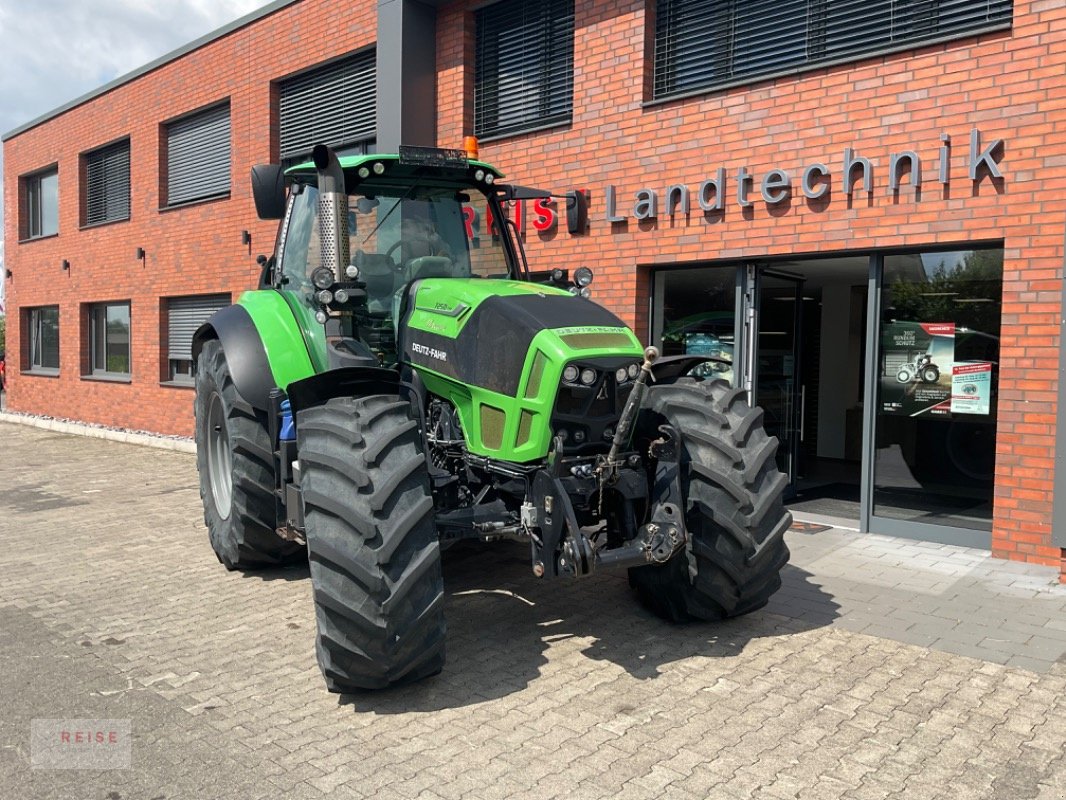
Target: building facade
<point>860,206</point>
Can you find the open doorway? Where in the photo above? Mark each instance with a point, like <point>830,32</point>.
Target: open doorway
<point>885,407</point>
<point>795,331</point>
<point>808,376</point>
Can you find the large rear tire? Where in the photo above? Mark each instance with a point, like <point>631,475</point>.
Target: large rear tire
<point>372,543</point>
<point>732,494</point>
<point>236,466</point>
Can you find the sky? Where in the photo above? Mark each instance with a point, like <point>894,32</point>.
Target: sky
<point>56,50</point>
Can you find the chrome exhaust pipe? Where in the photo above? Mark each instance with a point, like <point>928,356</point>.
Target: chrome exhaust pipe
<point>332,211</point>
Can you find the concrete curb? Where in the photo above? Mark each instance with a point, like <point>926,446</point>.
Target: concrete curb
<point>111,434</point>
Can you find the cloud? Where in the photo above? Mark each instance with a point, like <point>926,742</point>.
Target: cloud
<point>57,50</point>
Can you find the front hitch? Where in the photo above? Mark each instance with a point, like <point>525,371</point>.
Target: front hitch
<point>561,547</point>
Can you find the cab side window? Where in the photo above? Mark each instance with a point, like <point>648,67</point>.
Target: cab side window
<point>301,251</point>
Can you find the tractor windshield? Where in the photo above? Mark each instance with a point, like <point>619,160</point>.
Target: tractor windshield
<point>401,234</point>
<point>428,233</point>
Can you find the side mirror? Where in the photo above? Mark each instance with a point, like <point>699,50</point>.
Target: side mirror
<point>522,193</point>
<point>268,189</point>
<point>577,212</point>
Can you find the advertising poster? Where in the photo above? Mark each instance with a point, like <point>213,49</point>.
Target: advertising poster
<point>917,368</point>
<point>920,376</point>
<point>971,388</point>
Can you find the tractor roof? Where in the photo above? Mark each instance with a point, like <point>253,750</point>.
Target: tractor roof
<point>403,167</point>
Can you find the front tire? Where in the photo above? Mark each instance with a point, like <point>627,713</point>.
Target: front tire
<point>236,465</point>
<point>930,374</point>
<point>372,542</point>
<point>732,492</point>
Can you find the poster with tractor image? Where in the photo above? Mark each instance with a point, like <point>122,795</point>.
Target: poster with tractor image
<point>918,360</point>
<point>920,376</point>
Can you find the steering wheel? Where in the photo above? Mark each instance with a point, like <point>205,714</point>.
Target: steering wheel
<point>397,264</point>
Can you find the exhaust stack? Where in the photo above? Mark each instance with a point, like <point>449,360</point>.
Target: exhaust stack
<point>332,211</point>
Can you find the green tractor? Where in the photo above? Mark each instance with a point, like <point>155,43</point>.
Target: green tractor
<point>401,380</point>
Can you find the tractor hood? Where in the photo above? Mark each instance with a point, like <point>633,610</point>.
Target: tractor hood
<point>479,331</point>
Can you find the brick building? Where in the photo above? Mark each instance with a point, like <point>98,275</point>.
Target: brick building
<point>861,205</point>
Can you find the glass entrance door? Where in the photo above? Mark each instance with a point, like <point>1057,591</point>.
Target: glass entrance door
<point>776,383</point>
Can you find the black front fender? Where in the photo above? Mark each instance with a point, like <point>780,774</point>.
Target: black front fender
<point>343,382</point>
<point>245,354</point>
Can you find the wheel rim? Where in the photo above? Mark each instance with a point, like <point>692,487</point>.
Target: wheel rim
<point>219,460</point>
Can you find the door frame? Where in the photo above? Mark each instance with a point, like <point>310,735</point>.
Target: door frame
<point>754,274</point>
<point>745,352</point>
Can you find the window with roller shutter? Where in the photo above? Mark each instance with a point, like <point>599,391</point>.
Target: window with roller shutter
<point>524,66</point>
<point>107,184</point>
<point>704,44</point>
<point>184,316</point>
<point>198,156</point>
<point>335,104</point>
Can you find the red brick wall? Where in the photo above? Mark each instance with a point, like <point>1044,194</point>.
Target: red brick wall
<point>1009,85</point>
<point>192,250</point>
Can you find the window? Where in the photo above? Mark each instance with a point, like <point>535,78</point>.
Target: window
<point>107,184</point>
<point>43,338</point>
<point>198,156</point>
<point>524,71</point>
<point>335,104</point>
<point>109,339</point>
<point>394,239</point>
<point>938,387</point>
<point>184,315</point>
<point>701,44</point>
<point>40,215</point>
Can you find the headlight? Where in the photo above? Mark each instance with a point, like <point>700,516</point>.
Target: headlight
<point>588,376</point>
<point>325,297</point>
<point>352,271</point>
<point>579,436</point>
<point>557,275</point>
<point>583,276</point>
<point>341,295</point>
<point>634,370</point>
<point>563,434</point>
<point>621,374</point>
<point>379,168</point>
<point>570,374</point>
<point>489,178</point>
<point>363,172</point>
<point>479,175</point>
<point>322,278</point>
<point>586,292</point>
<point>321,317</point>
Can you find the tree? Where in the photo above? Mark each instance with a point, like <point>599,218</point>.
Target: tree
<point>968,294</point>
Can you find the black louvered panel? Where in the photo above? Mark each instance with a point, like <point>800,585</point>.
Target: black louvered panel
<point>524,66</point>
<point>335,105</point>
<point>704,43</point>
<point>769,36</point>
<point>198,156</point>
<point>107,184</point>
<point>184,316</point>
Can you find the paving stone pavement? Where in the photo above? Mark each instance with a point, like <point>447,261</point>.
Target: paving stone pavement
<point>883,668</point>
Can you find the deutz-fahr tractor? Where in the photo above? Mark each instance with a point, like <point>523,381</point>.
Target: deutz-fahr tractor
<point>402,380</point>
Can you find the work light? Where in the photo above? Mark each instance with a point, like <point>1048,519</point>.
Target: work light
<point>322,278</point>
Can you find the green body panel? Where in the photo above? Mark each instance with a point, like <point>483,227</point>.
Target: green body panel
<point>284,338</point>
<point>496,425</point>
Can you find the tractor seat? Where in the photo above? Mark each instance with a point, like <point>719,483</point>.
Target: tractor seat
<point>433,267</point>
<point>379,274</point>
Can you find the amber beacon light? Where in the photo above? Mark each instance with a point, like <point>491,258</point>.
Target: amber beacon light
<point>470,146</point>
